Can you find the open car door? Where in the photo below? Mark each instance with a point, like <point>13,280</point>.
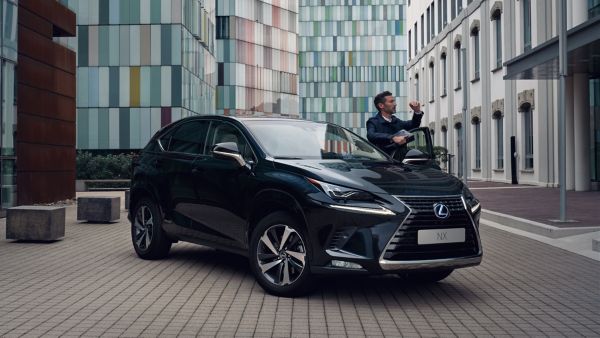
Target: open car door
<point>418,151</point>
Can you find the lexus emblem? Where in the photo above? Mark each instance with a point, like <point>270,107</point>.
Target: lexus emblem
<point>441,211</point>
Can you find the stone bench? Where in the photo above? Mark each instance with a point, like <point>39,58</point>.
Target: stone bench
<point>35,223</point>
<point>98,209</point>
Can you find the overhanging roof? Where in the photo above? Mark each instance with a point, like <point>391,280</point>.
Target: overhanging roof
<point>583,47</point>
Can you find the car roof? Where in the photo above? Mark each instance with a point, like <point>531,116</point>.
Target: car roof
<point>243,119</point>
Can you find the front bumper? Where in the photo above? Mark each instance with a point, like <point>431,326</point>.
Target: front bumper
<point>350,242</point>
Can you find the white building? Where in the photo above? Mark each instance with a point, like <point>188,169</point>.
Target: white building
<point>512,58</point>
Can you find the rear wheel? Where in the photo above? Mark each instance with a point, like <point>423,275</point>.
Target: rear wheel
<point>424,276</point>
<point>148,237</point>
<point>279,256</point>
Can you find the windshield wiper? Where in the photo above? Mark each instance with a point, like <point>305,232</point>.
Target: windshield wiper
<point>287,158</point>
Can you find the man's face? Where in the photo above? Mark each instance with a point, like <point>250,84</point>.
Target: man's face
<point>389,105</point>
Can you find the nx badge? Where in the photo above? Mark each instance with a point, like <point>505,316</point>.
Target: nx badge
<point>441,211</point>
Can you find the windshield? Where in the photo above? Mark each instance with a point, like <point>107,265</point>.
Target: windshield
<point>294,139</point>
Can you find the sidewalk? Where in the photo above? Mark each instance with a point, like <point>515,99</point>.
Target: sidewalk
<point>532,212</point>
<point>539,204</point>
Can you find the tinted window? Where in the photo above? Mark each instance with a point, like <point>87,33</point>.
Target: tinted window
<point>189,138</point>
<point>306,140</point>
<point>225,132</point>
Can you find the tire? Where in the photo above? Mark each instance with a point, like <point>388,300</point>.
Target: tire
<point>149,239</point>
<point>428,276</point>
<point>291,276</point>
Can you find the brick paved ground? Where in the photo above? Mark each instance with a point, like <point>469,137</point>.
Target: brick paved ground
<point>91,283</point>
<point>539,204</point>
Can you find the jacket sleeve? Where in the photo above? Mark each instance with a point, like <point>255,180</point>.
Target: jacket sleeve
<point>412,124</point>
<point>374,136</point>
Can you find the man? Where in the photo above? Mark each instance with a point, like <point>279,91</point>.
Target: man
<point>382,127</point>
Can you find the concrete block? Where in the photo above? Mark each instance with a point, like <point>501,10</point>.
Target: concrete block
<point>99,209</point>
<point>596,244</point>
<point>35,223</point>
<point>127,192</point>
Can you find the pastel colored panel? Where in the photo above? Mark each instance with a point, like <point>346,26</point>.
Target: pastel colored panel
<point>134,86</point>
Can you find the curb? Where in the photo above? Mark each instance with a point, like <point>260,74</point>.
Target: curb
<point>537,227</point>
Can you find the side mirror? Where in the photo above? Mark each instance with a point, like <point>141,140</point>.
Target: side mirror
<point>415,156</point>
<point>228,151</point>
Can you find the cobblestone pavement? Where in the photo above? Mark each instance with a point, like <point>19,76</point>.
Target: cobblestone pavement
<point>92,283</point>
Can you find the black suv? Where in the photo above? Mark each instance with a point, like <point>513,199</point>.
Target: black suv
<point>301,198</point>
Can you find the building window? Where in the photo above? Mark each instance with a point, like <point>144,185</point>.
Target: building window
<point>593,8</point>
<point>431,83</point>
<point>444,74</point>
<point>458,65</point>
<point>417,87</point>
<point>498,38</point>
<point>459,7</point>
<point>429,30</point>
<point>528,136</point>
<point>416,39</point>
<point>445,137</point>
<point>453,10</point>
<point>440,23</point>
<point>526,25</point>
<point>409,45</point>
<point>475,35</point>
<point>432,21</point>
<point>445,5</point>
<point>459,145</point>
<point>422,30</point>
<point>477,135</point>
<point>222,27</point>
<point>497,116</point>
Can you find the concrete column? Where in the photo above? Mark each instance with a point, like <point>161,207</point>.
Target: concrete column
<point>580,11</point>
<point>581,119</point>
<point>570,141</point>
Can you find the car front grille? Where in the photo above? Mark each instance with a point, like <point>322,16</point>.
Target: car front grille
<point>404,246</point>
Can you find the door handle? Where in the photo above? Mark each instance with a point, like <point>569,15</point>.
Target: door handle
<point>158,163</point>
<point>197,170</point>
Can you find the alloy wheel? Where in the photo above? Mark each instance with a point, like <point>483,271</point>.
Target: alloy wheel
<point>143,225</point>
<point>281,255</point>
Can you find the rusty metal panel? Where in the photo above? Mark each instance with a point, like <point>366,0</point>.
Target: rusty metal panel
<point>46,111</point>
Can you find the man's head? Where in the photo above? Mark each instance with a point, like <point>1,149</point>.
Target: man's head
<point>385,102</point>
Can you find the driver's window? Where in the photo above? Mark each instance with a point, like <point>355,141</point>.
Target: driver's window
<point>420,142</point>
<point>225,132</point>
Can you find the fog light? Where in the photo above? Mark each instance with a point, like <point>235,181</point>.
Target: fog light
<point>345,265</point>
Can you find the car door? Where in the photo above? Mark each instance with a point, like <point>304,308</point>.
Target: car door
<point>222,187</point>
<point>420,150</point>
<point>186,146</point>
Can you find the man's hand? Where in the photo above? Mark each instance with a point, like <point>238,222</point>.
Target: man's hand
<point>399,140</point>
<point>415,106</point>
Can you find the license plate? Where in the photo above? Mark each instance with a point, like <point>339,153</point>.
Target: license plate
<point>441,236</point>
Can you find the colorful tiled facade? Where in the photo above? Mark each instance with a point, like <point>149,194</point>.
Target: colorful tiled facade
<point>141,64</point>
<point>351,50</point>
<point>257,57</point>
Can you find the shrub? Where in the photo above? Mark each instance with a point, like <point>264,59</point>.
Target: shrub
<point>441,154</point>
<point>90,167</point>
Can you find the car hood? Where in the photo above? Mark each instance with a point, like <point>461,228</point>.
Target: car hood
<point>377,177</point>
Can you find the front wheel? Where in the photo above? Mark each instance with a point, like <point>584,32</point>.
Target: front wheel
<point>424,276</point>
<point>279,256</point>
<point>148,237</point>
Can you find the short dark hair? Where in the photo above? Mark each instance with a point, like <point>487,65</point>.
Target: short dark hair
<point>380,98</point>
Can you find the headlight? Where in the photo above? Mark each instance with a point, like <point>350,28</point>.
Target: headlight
<point>472,203</point>
<point>339,193</point>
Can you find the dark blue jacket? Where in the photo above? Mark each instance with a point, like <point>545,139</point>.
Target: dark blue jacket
<point>380,131</point>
